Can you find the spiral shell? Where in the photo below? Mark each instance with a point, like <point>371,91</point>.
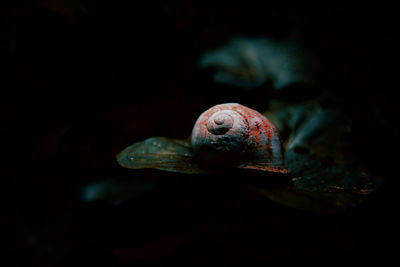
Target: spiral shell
<point>237,135</point>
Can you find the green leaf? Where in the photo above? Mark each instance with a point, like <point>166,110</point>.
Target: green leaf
<point>160,153</point>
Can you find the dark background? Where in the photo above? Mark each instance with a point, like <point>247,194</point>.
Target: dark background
<point>81,80</point>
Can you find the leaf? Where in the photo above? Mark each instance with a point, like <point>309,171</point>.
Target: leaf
<point>321,188</point>
<point>115,191</point>
<point>160,153</point>
<point>250,62</point>
<point>327,178</point>
<point>321,202</point>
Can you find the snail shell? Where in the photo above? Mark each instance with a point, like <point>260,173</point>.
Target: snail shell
<point>232,134</point>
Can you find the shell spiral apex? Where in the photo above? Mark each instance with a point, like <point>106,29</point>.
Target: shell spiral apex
<point>237,135</point>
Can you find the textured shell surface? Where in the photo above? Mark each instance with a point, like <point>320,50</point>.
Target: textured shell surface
<point>233,132</point>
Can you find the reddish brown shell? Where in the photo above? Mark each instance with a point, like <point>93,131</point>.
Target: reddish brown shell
<point>233,133</point>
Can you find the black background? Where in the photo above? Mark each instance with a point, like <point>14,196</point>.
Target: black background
<point>82,80</point>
